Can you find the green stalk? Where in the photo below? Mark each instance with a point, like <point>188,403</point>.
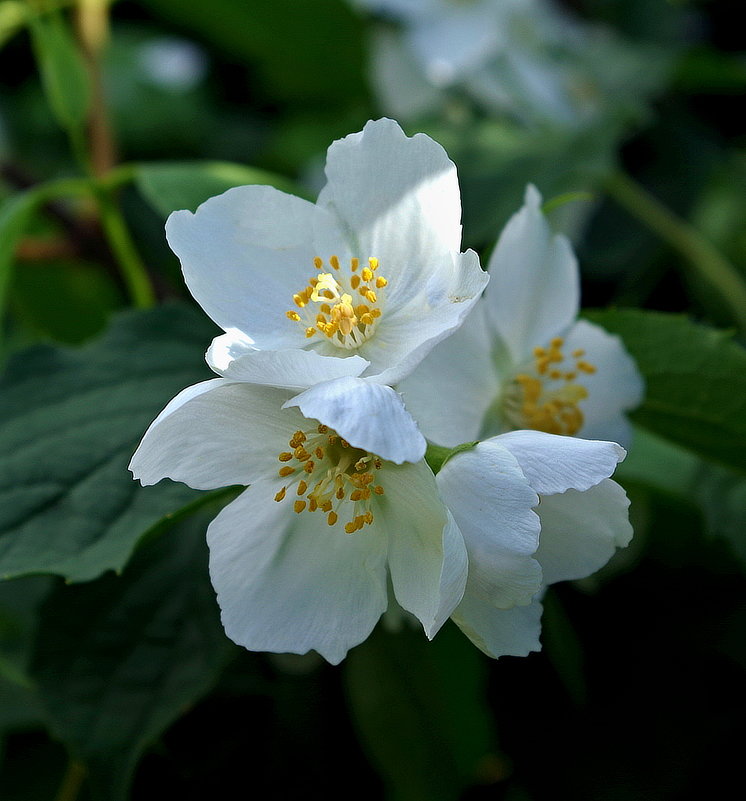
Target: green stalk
<point>72,781</point>
<point>706,260</point>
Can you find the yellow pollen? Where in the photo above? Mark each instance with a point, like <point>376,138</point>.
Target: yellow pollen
<point>286,471</point>
<point>318,263</point>
<point>319,452</point>
<point>378,489</point>
<point>367,274</point>
<point>355,281</point>
<point>578,354</point>
<point>310,332</point>
<point>299,301</point>
<point>334,261</point>
<point>322,429</point>
<point>285,456</point>
<point>291,315</point>
<point>373,263</point>
<point>325,308</point>
<point>302,487</point>
<point>309,466</point>
<point>299,506</point>
<point>381,282</point>
<point>280,495</point>
<point>354,264</point>
<point>332,518</point>
<point>585,367</point>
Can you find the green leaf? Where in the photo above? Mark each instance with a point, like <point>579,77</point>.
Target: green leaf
<point>184,185</point>
<point>421,712</point>
<point>15,215</point>
<point>69,423</point>
<point>119,659</point>
<point>63,72</point>
<point>13,16</point>
<point>695,381</point>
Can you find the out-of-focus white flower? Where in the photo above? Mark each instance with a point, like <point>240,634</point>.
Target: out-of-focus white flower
<point>372,270</point>
<point>522,360</point>
<point>526,58</point>
<point>172,63</point>
<point>582,515</point>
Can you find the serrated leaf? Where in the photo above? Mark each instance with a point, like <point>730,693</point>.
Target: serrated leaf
<point>184,185</point>
<point>421,713</point>
<point>63,72</point>
<point>695,381</point>
<point>121,658</point>
<point>69,422</point>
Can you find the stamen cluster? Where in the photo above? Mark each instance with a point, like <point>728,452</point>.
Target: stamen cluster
<point>327,304</point>
<point>547,399</point>
<point>328,475</point>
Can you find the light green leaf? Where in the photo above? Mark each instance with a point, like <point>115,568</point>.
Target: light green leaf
<point>184,185</point>
<point>421,713</point>
<point>15,214</point>
<point>119,659</point>
<point>63,72</point>
<point>695,381</point>
<point>69,422</point>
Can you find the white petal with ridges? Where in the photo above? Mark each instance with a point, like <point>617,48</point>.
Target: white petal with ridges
<point>554,463</point>
<point>426,552</point>
<point>500,632</point>
<point>244,255</point>
<point>231,356</point>
<point>288,582</point>
<point>581,530</point>
<point>368,415</point>
<point>615,387</point>
<point>215,434</point>
<point>451,390</point>
<point>534,289</point>
<point>491,501</point>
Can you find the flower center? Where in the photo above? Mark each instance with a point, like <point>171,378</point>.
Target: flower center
<point>343,305</point>
<point>546,396</point>
<point>330,476</point>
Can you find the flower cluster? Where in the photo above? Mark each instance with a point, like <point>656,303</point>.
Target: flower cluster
<point>328,309</point>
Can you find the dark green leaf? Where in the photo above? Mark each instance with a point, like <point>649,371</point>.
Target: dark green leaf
<point>121,658</point>
<point>184,185</point>
<point>695,381</point>
<point>62,69</point>
<point>420,711</point>
<point>69,422</point>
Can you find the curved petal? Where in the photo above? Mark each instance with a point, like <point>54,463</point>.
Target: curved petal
<point>534,289</point>
<point>553,463</point>
<point>291,583</point>
<point>492,502</point>
<point>615,387</point>
<point>398,200</point>
<point>233,357</point>
<point>215,434</point>
<point>244,255</point>
<point>451,390</point>
<point>369,416</point>
<point>500,632</point>
<point>426,552</point>
<point>432,311</point>
<point>581,530</point>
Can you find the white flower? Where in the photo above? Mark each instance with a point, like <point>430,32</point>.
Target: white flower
<point>522,360</point>
<point>373,269</point>
<point>582,519</point>
<point>303,558</point>
<point>528,58</point>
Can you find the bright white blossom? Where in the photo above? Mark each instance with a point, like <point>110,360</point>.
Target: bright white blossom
<point>522,360</point>
<point>373,270</point>
<point>304,557</point>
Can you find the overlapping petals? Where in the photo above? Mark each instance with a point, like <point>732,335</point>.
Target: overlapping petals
<point>253,257</point>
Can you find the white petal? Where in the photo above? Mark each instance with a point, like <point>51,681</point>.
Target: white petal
<point>553,463</point>
<point>451,390</point>
<point>288,582</point>
<point>427,557</point>
<point>534,287</point>
<point>581,530</point>
<point>369,416</point>
<point>433,311</point>
<point>614,388</point>
<point>500,632</point>
<point>245,253</point>
<point>232,357</point>
<point>215,434</point>
<point>492,502</point>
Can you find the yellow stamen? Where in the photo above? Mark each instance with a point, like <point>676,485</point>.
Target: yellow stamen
<point>280,495</point>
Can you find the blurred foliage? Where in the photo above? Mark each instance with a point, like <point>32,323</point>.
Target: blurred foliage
<point>126,675</point>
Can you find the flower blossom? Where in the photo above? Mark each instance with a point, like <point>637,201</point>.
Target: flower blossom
<point>522,360</point>
<point>304,557</point>
<point>370,276</point>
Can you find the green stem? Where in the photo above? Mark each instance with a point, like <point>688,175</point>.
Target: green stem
<point>72,781</point>
<point>133,270</point>
<point>709,263</point>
